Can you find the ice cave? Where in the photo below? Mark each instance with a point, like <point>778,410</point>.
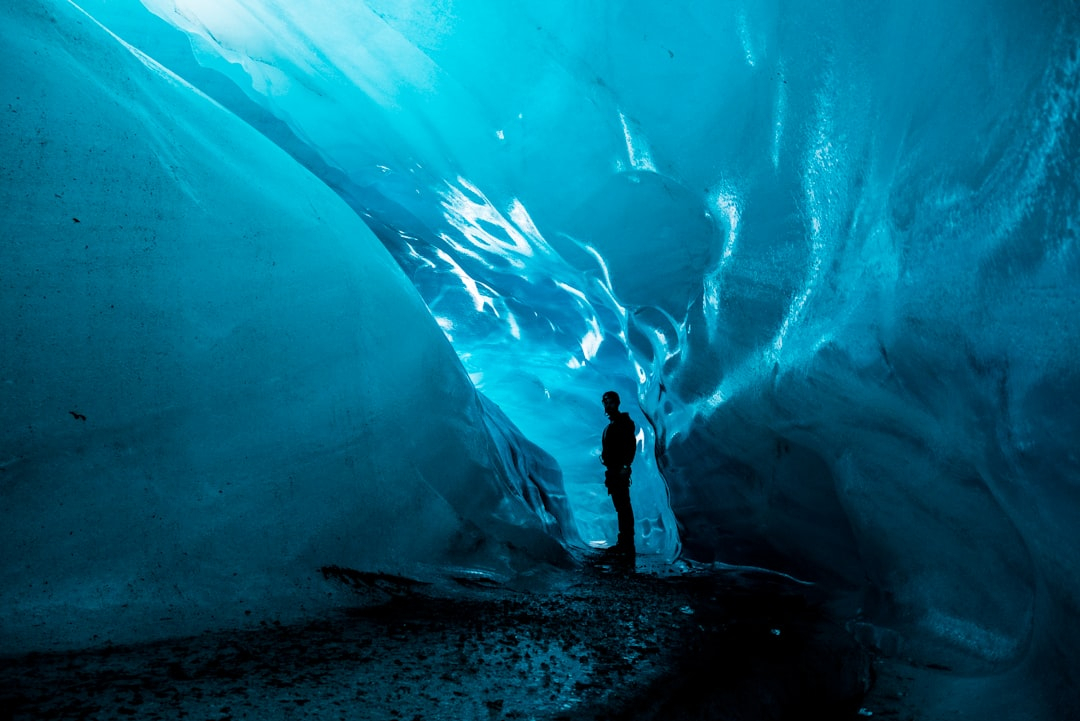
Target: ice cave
<point>295,285</point>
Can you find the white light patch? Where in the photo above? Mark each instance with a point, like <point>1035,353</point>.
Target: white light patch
<point>970,635</point>
<point>447,327</point>
<point>636,149</point>
<point>571,290</point>
<point>779,118</point>
<point>797,306</point>
<point>727,203</point>
<point>822,342</point>
<point>661,339</point>
<point>710,302</point>
<point>482,225</point>
<point>592,340</point>
<point>461,249</point>
<point>744,38</point>
<point>480,301</point>
<point>821,166</point>
<point>607,277</point>
<point>521,218</point>
<point>713,402</point>
<point>500,135</point>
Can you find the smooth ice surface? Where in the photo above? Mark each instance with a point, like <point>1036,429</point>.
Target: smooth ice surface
<point>830,249</point>
<point>396,132</point>
<point>216,379</point>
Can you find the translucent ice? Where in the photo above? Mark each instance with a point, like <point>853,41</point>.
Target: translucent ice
<point>216,379</point>
<point>830,249</point>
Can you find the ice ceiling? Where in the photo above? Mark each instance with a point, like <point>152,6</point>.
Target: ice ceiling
<point>826,252</point>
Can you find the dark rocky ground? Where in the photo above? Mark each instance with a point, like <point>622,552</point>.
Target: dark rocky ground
<point>610,642</point>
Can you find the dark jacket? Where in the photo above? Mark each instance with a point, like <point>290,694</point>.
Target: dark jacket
<point>619,442</point>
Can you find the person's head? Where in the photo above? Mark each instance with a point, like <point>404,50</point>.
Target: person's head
<point>611,402</point>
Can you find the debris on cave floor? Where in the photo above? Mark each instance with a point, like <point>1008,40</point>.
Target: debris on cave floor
<point>610,643</point>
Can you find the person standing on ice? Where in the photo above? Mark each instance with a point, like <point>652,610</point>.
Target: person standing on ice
<point>619,445</point>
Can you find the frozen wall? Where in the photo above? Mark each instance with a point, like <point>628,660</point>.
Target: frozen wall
<point>830,248</point>
<point>408,137</point>
<point>215,380</point>
<point>836,241</point>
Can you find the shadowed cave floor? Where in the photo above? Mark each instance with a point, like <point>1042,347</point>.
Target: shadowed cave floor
<point>610,643</point>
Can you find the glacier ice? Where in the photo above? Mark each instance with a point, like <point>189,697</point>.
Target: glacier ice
<point>222,380</point>
<point>830,249</point>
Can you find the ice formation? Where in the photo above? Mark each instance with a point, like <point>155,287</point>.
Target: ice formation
<point>831,250</point>
<point>222,380</point>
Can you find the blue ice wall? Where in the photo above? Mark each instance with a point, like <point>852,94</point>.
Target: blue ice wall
<point>832,246</point>
<point>215,379</point>
<point>829,248</point>
<point>529,324</point>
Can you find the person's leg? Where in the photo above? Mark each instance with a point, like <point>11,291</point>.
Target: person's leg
<point>620,496</point>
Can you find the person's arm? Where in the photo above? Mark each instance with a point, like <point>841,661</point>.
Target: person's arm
<point>629,443</point>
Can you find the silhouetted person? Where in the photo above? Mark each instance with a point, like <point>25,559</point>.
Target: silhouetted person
<point>617,454</point>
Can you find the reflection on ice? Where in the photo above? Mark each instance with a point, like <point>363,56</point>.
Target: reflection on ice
<point>472,214</point>
<point>637,151</point>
